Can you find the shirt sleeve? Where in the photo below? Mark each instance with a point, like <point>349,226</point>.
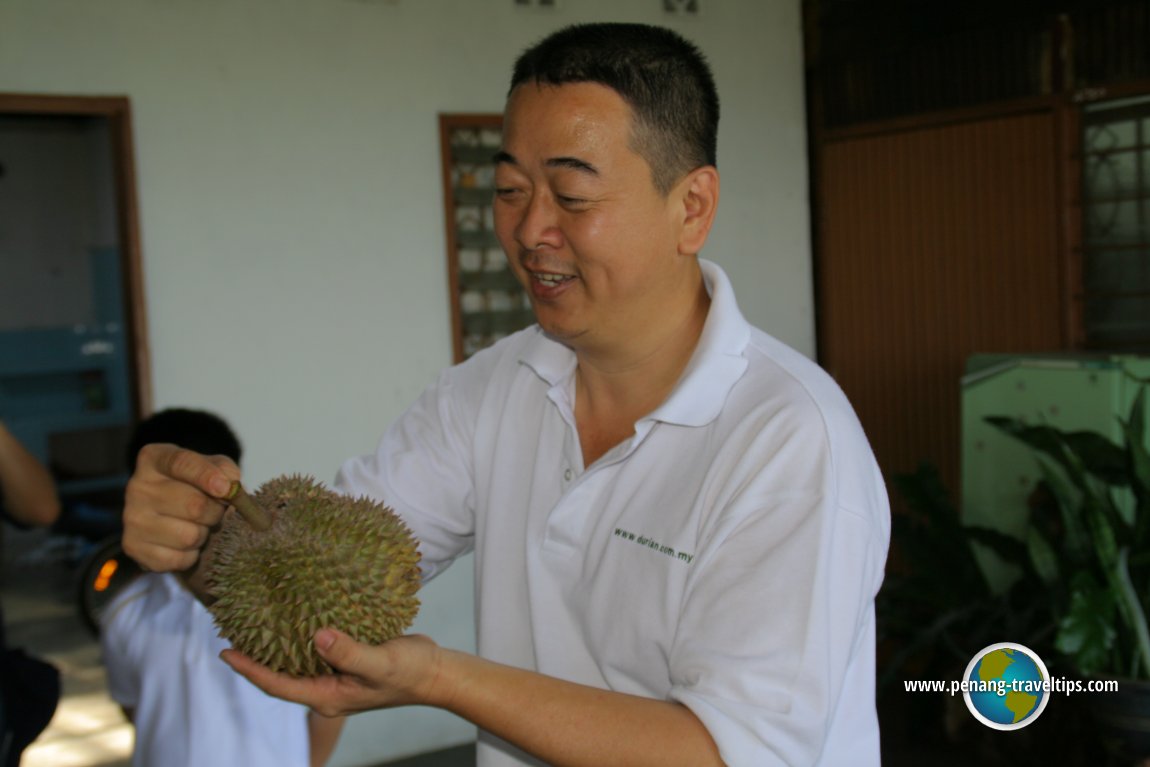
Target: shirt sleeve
<point>423,470</point>
<point>116,630</point>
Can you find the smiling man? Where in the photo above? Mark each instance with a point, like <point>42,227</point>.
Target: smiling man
<point>678,524</point>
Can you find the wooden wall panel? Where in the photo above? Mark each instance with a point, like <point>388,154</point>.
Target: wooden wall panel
<point>935,243</point>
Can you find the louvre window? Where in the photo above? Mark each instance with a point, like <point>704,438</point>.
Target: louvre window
<point>1116,224</point>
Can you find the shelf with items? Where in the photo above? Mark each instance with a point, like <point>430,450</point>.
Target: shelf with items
<point>487,301</point>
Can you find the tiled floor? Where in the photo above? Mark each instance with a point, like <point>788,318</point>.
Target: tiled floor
<point>88,729</point>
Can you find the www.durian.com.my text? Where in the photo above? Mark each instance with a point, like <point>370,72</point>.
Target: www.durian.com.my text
<point>1002,686</point>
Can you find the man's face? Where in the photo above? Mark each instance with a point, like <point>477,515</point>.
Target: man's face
<point>583,226</point>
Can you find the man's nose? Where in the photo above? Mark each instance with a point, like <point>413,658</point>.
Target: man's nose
<point>539,223</point>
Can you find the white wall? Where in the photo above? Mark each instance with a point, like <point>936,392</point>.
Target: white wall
<point>291,209</point>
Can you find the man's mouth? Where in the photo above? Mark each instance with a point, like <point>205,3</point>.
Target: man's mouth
<point>550,280</point>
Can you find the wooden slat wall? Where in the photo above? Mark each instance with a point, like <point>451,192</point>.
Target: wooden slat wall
<point>935,242</point>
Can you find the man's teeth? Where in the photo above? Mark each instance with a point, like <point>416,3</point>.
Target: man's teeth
<point>551,280</point>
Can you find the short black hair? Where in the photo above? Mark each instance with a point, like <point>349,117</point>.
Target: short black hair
<point>197,430</point>
<point>663,78</point>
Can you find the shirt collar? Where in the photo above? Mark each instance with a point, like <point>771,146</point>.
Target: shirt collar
<point>716,364</point>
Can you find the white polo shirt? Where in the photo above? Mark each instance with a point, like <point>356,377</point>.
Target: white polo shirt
<point>161,651</point>
<point>726,556</point>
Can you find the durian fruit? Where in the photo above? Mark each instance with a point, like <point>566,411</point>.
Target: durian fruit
<point>325,560</point>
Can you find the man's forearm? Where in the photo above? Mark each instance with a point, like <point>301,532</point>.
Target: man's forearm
<point>568,724</point>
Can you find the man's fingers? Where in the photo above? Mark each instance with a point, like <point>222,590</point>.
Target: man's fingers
<point>161,558</point>
<point>340,650</point>
<point>318,693</point>
<point>174,546</point>
<point>262,677</point>
<point>210,475</point>
<point>145,501</point>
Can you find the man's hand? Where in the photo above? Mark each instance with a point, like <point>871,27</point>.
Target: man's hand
<point>402,671</point>
<point>171,503</point>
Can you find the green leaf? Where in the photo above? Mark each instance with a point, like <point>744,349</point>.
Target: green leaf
<point>1093,452</point>
<point>1042,556</point>
<point>925,494</point>
<point>931,541</point>
<point>1097,499</point>
<point>1134,430</point>
<point>1009,548</point>
<point>1075,536</point>
<point>1086,633</point>
<point>1100,456</point>
<point>1101,532</point>
<point>1135,615</point>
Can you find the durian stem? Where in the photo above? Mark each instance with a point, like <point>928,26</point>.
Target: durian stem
<point>251,511</point>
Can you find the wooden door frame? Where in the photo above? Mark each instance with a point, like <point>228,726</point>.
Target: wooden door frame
<point>118,111</point>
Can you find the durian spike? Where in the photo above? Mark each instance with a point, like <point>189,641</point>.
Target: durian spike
<point>251,511</point>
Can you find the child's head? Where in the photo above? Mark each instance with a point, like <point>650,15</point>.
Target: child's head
<point>196,430</point>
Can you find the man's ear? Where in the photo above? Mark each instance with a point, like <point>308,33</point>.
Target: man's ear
<point>699,193</point>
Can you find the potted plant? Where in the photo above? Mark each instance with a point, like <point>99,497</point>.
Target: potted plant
<point>1091,549</point>
<point>936,605</point>
<point>936,608</point>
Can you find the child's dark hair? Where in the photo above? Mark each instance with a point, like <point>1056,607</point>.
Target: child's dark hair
<point>197,430</point>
